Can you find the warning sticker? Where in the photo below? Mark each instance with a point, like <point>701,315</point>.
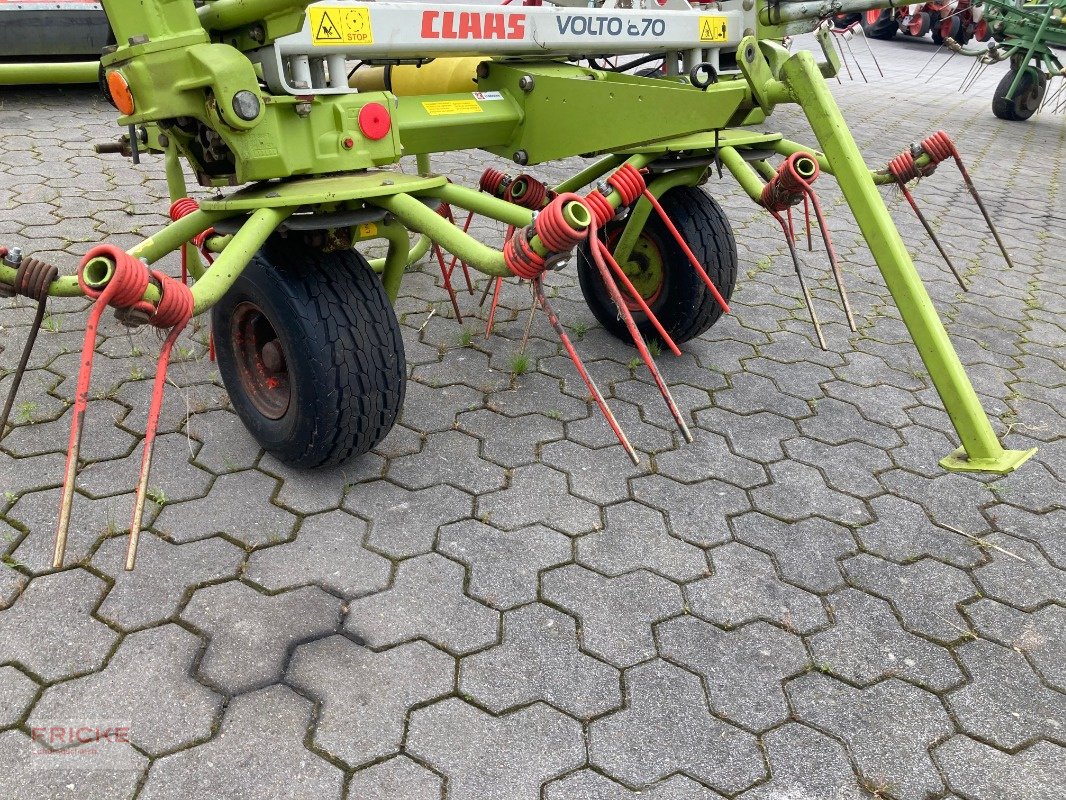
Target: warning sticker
<point>714,29</point>
<point>368,230</point>
<point>442,108</point>
<point>488,95</point>
<point>340,26</point>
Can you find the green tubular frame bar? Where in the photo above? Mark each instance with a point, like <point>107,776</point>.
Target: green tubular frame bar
<point>703,128</point>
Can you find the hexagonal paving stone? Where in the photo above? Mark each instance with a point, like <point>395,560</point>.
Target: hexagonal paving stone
<point>666,728</point>
<point>16,693</point>
<point>636,537</point>
<point>495,758</point>
<point>504,565</point>
<point>165,574</point>
<point>539,660</point>
<point>145,685</point>
<point>405,523</point>
<point>888,727</point>
<point>742,669</point>
<point>807,553</point>
<point>365,695</point>
<point>49,629</point>
<point>438,462</point>
<point>238,505</point>
<point>399,778</point>
<point>616,614</point>
<point>925,593</point>
<point>327,551</point>
<point>977,770</point>
<point>866,644</point>
<point>903,532</point>
<point>744,587</point>
<point>539,494</point>
<point>1020,577</point>
<point>108,776</point>
<point>805,764</point>
<point>589,785</point>
<point>259,751</point>
<point>798,491</point>
<point>700,517</point>
<point>251,633</point>
<point>426,601</point>
<point>1037,635</point>
<point>1004,702</point>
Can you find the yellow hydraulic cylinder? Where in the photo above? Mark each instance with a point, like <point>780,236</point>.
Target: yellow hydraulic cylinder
<point>441,76</point>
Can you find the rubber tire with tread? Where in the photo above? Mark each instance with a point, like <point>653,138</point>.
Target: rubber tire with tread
<point>342,346</point>
<point>885,28</point>
<point>685,306</point>
<point>1010,109</point>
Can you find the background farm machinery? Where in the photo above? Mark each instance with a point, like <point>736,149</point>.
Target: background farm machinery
<point>258,95</point>
<point>51,42</point>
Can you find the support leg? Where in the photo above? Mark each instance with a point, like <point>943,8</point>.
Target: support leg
<point>981,451</point>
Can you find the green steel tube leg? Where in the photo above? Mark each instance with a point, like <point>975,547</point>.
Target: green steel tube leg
<point>417,216</point>
<point>228,266</point>
<point>413,257</point>
<point>396,259</point>
<point>981,451</point>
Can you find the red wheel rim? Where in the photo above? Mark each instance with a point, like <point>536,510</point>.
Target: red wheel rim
<point>947,28</point>
<point>981,31</point>
<point>261,362</point>
<point>916,25</point>
<point>873,15</point>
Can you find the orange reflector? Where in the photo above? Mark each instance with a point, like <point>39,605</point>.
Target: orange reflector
<point>120,92</point>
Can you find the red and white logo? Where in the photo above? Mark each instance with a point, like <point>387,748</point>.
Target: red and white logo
<point>473,25</point>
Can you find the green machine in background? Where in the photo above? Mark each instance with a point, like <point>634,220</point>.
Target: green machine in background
<point>255,96</point>
<point>51,42</point>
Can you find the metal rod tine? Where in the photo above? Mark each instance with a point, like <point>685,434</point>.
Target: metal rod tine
<point>932,235</point>
<point>803,284</point>
<point>984,211</point>
<point>858,66</point>
<point>838,274</point>
<point>870,51</point>
<point>930,61</point>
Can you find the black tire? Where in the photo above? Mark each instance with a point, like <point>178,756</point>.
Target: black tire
<point>681,302</point>
<point>954,29</point>
<point>1026,99</point>
<point>342,373</point>
<point>884,27</point>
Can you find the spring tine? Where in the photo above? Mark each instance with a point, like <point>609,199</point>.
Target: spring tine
<point>803,284</point>
<point>446,278</point>
<point>631,289</point>
<point>791,225</point>
<point>930,61</point>
<point>463,264</point>
<point>81,401</point>
<point>932,235</point>
<point>838,274</point>
<point>843,58</point>
<point>938,69</point>
<point>20,370</point>
<point>149,440</point>
<point>980,204</point>
<point>870,50</point>
<point>549,312</point>
<point>529,322</point>
<point>858,66</point>
<point>599,257</point>
<point>492,309</point>
<point>807,222</point>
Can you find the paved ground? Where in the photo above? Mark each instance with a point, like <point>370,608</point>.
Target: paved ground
<point>494,604</point>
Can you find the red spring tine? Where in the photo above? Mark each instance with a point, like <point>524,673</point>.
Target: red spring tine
<point>493,307</point>
<point>667,340</point>
<point>593,389</point>
<point>799,274</point>
<point>807,222</point>
<point>838,275</point>
<point>446,277</point>
<point>634,332</point>
<point>687,250</point>
<point>466,269</point>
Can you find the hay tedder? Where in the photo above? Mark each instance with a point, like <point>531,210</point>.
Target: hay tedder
<point>1025,35</point>
<point>256,94</point>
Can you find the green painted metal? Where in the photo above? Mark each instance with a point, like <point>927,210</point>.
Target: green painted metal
<point>981,446</point>
<point>187,68</point>
<point>42,73</point>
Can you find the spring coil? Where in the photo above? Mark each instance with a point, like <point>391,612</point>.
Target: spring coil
<point>493,181</point>
<point>533,193</point>
<point>788,186</point>
<point>521,259</point>
<point>939,147</point>
<point>556,234</point>
<point>33,278</point>
<point>629,183</point>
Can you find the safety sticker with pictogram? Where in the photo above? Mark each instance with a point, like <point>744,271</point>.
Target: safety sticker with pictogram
<point>333,26</point>
<point>714,29</point>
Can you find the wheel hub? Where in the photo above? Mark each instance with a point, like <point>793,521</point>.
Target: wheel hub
<point>646,271</point>
<point>261,362</point>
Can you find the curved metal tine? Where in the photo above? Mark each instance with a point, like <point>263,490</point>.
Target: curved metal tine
<point>803,284</point>
<point>932,235</point>
<point>930,61</point>
<point>938,69</point>
<point>858,66</point>
<point>843,59</point>
<point>870,50</point>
